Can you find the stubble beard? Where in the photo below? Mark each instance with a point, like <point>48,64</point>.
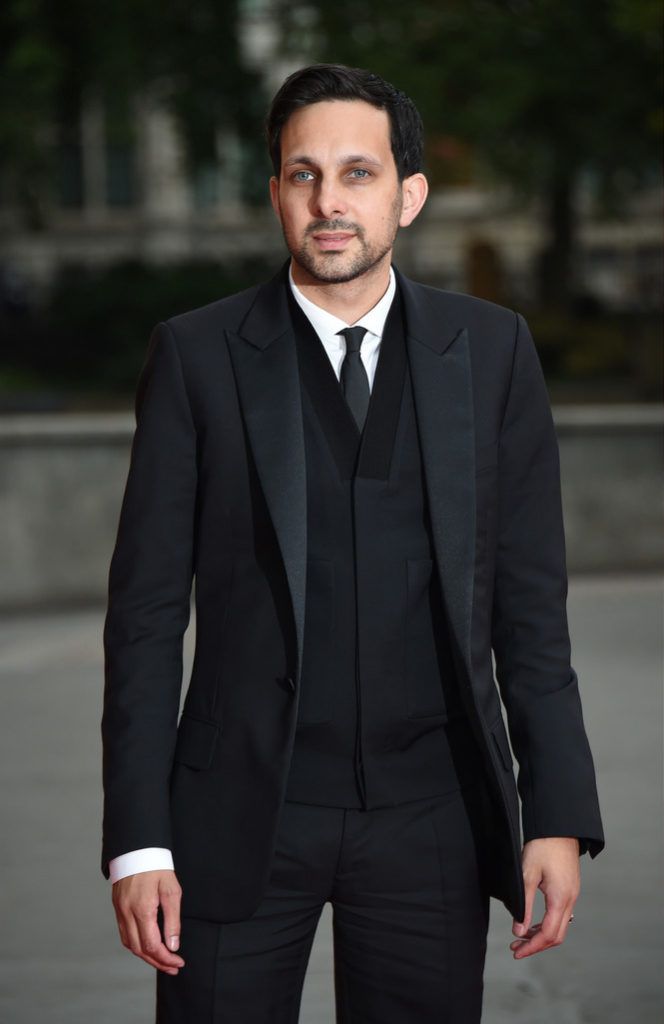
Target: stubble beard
<point>330,267</point>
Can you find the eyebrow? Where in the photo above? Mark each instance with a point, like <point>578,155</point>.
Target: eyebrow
<point>352,158</point>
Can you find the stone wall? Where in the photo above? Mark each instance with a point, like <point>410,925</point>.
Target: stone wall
<point>62,479</point>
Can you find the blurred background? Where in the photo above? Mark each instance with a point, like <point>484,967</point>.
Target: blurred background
<point>133,173</point>
<point>133,186</point>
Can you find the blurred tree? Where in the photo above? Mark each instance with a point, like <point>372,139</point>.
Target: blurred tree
<point>83,347</point>
<point>543,92</point>
<point>53,55</point>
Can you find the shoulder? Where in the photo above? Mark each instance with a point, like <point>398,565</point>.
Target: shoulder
<point>491,330</point>
<point>226,312</point>
<point>464,307</point>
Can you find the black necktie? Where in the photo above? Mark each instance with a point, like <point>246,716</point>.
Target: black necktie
<point>353,376</point>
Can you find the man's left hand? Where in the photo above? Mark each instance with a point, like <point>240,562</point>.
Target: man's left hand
<point>552,865</point>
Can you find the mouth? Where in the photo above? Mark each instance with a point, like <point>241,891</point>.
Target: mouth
<point>333,240</point>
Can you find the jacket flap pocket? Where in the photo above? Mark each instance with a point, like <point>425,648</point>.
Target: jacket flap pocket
<point>502,743</point>
<point>196,742</point>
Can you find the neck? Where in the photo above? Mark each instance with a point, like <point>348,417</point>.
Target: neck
<point>349,300</point>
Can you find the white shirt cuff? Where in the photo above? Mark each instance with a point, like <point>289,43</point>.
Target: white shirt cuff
<point>151,858</point>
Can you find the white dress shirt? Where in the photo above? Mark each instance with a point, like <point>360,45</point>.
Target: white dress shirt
<point>326,325</point>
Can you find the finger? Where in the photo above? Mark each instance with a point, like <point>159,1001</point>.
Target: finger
<point>565,923</point>
<point>123,927</point>
<point>518,943</point>
<point>170,901</point>
<point>150,939</point>
<point>546,936</point>
<point>134,944</point>
<point>530,882</point>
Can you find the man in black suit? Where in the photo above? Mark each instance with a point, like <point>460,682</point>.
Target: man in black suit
<point>362,475</point>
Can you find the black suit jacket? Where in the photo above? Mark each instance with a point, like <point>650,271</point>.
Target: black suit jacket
<point>216,493</point>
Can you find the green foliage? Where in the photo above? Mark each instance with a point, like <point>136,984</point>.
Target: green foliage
<point>93,332</point>
<point>538,87</point>
<point>53,55</point>
<point>587,355</point>
<point>89,340</point>
<point>536,92</point>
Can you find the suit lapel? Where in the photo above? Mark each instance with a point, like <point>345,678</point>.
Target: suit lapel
<point>265,362</point>
<point>440,367</point>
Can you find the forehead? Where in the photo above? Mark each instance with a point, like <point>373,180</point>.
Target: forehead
<point>331,125</point>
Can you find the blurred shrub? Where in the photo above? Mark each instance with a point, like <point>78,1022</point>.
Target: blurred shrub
<point>86,344</point>
<point>605,353</point>
<point>92,333</point>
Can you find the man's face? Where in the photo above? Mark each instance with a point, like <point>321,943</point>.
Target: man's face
<point>338,196</point>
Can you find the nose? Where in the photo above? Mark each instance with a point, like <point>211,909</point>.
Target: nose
<point>327,200</point>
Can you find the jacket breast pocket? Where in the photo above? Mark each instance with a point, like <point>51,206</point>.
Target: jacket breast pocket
<point>196,741</point>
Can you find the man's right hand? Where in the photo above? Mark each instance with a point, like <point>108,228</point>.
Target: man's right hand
<point>136,899</point>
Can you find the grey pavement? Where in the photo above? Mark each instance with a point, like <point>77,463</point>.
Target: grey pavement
<point>60,957</point>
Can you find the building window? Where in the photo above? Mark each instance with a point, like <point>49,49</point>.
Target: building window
<point>69,174</point>
<point>120,175</point>
<point>206,185</point>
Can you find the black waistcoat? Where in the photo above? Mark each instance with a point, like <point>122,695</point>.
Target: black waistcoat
<point>380,721</point>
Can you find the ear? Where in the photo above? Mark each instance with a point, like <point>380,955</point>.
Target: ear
<point>414,191</point>
<point>274,196</point>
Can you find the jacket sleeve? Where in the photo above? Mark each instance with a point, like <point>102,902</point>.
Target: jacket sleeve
<point>530,637</point>
<point>149,591</point>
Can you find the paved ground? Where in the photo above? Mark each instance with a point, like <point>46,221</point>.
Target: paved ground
<point>60,959</point>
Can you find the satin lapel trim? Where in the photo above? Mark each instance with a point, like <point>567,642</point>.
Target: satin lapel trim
<point>265,363</point>
<point>269,392</point>
<point>443,396</point>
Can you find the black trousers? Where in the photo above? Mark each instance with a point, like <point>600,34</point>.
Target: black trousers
<point>410,919</point>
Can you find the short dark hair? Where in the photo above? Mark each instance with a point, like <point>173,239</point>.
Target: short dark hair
<point>319,82</point>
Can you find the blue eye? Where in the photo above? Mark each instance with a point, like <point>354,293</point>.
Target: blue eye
<point>295,176</point>
<point>360,170</point>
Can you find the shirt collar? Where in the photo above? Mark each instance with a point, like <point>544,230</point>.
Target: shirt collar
<point>327,324</point>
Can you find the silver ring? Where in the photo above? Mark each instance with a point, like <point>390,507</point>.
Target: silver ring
<point>571,918</point>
